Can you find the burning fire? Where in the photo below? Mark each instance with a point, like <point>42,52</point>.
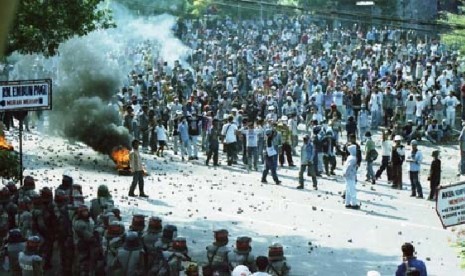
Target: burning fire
<point>4,145</point>
<point>121,157</point>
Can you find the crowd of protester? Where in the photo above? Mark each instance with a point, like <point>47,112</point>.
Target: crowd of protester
<point>251,90</point>
<point>262,93</point>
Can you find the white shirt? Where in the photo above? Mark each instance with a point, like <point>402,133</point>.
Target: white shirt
<point>410,107</point>
<point>374,102</point>
<point>451,103</point>
<point>419,108</point>
<point>251,136</point>
<point>161,133</point>
<point>386,148</point>
<point>229,133</point>
<point>338,98</point>
<point>292,123</point>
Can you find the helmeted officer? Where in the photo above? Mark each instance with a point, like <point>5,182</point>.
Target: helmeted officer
<point>101,203</point>
<point>114,240</point>
<point>277,262</point>
<point>241,255</point>
<point>217,254</point>
<point>84,239</point>
<point>64,231</point>
<point>29,260</point>
<point>150,237</point>
<point>16,244</point>
<point>129,259</point>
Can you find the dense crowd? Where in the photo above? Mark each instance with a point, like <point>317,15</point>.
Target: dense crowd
<point>251,87</point>
<point>269,93</point>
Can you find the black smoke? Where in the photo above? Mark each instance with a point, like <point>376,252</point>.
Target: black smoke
<point>89,71</point>
<point>88,81</point>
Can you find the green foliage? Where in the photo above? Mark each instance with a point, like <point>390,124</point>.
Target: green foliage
<point>199,7</point>
<point>40,25</point>
<point>455,38</point>
<point>9,165</point>
<point>460,245</point>
<point>151,7</point>
<point>312,3</point>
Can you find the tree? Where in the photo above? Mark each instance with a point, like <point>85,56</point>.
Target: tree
<point>455,37</point>
<point>41,25</point>
<point>9,165</point>
<point>150,7</point>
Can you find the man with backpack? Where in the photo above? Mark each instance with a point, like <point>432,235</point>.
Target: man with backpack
<point>410,265</point>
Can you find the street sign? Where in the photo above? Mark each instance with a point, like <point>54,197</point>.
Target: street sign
<point>450,204</point>
<point>26,95</point>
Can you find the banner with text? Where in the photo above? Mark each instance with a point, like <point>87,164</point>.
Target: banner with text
<point>26,95</point>
<point>450,204</point>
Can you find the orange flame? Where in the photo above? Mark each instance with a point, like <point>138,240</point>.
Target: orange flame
<point>4,145</point>
<point>120,156</point>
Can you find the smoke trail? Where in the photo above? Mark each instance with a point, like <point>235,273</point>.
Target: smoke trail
<point>88,79</point>
<point>90,70</point>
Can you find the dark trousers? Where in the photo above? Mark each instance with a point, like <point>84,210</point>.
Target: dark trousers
<point>270,165</point>
<point>329,160</point>
<point>415,182</point>
<point>212,152</point>
<point>433,185</point>
<point>145,138</point>
<point>286,149</point>
<point>137,178</point>
<point>462,162</point>
<point>388,113</point>
<point>310,172</point>
<point>66,255</point>
<point>397,176</point>
<point>244,151</point>
<point>252,157</point>
<point>231,152</point>
<point>384,166</point>
<point>47,251</point>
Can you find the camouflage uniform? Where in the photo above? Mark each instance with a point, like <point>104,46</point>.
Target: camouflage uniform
<point>29,260</point>
<point>64,232</point>
<point>16,244</point>
<point>113,242</point>
<point>150,237</point>
<point>217,255</point>
<point>129,259</point>
<point>101,203</point>
<point>84,240</point>
<point>4,218</point>
<point>28,188</point>
<point>163,244</point>
<point>277,262</point>
<point>25,216</point>
<point>241,254</point>
<point>171,263</point>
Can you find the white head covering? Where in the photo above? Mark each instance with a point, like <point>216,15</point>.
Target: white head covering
<point>241,270</point>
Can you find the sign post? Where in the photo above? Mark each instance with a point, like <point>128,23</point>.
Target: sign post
<point>25,95</point>
<point>450,204</point>
<point>22,96</point>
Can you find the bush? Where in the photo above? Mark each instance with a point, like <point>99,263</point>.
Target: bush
<point>9,165</point>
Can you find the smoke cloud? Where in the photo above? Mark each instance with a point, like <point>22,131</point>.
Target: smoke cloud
<point>90,70</point>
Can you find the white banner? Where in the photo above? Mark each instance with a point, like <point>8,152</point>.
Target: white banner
<point>450,204</point>
<point>26,95</point>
